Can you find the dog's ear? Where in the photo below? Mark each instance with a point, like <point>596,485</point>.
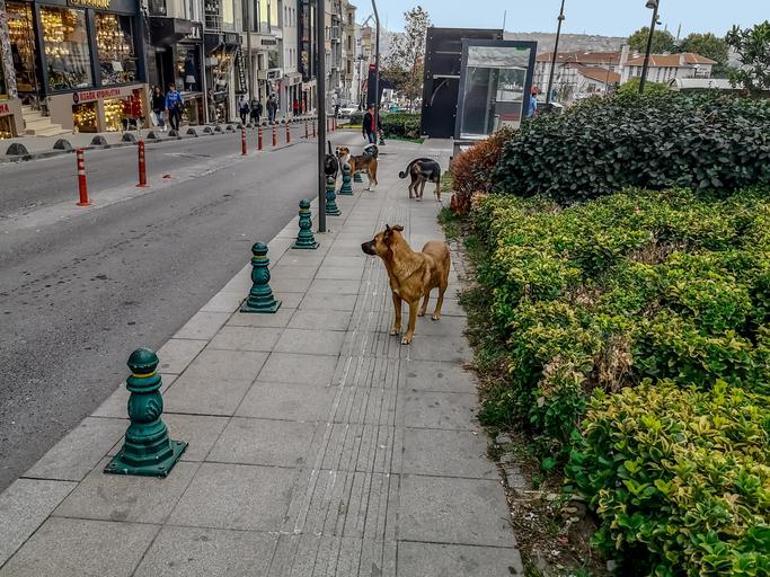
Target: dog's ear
<point>398,227</point>
<point>387,228</point>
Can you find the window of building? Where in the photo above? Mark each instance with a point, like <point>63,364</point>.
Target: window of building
<point>115,48</point>
<point>65,39</point>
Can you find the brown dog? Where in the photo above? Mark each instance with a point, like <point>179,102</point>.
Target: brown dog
<point>364,163</point>
<point>412,274</point>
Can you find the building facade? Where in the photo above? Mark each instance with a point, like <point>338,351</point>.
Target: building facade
<point>71,65</point>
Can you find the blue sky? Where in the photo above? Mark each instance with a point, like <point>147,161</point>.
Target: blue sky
<point>606,17</point>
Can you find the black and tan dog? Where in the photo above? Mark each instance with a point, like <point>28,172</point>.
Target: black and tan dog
<point>366,162</point>
<point>421,171</point>
<point>412,274</point>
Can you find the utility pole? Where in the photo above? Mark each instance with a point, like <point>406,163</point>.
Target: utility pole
<point>555,52</point>
<point>320,59</point>
<point>653,4</point>
<point>250,76</point>
<point>376,70</point>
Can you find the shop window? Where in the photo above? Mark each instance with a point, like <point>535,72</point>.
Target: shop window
<point>187,66</point>
<point>3,87</point>
<point>115,47</point>
<point>21,34</point>
<point>84,117</point>
<point>7,127</point>
<point>66,48</point>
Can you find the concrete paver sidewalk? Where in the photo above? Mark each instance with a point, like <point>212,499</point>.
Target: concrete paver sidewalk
<point>318,445</point>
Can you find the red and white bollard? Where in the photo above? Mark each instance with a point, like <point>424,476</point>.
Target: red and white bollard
<point>244,151</point>
<point>142,165</point>
<point>288,133</point>
<point>275,136</point>
<point>82,182</point>
<point>259,139</point>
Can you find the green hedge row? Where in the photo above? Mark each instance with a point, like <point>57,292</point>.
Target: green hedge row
<point>658,141</point>
<point>635,332</point>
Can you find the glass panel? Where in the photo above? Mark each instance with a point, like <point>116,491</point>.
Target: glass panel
<point>21,34</point>
<point>187,67</point>
<point>66,48</point>
<point>494,89</point>
<point>84,117</point>
<point>115,46</point>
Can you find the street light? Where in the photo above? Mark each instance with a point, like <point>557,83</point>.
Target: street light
<point>553,59</point>
<point>652,5</point>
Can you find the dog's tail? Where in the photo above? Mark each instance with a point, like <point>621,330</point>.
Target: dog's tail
<point>408,171</point>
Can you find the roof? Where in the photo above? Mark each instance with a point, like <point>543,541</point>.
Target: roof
<point>596,73</point>
<point>681,60</point>
<point>581,57</point>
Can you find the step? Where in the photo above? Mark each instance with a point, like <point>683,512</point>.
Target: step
<point>53,130</point>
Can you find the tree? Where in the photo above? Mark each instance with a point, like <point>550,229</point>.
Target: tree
<point>662,41</point>
<point>753,48</point>
<point>710,46</point>
<point>408,52</point>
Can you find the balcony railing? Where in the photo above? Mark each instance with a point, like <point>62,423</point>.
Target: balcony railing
<point>214,22</point>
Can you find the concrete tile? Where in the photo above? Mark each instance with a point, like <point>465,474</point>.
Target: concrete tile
<point>304,403</point>
<point>346,250</point>
<point>335,287</point>
<point>263,442</point>
<point>321,320</point>
<point>294,271</point>
<point>445,327</point>
<point>319,301</point>
<point>432,348</point>
<point>126,499</point>
<point>311,342</point>
<point>24,505</point>
<point>177,354</point>
<point>246,338</point>
<point>193,552</point>
<point>436,560</point>
<point>277,320</point>
<point>438,376</point>
<point>226,365</point>
<point>345,261</point>
<point>451,306</point>
<point>289,300</point>
<point>80,548</point>
<point>438,410</point>
<point>323,556</point>
<point>236,497</point>
<point>300,369</point>
<point>340,273</point>
<point>203,326</point>
<point>281,285</point>
<point>459,511</point>
<point>199,431</point>
<point>76,454</point>
<point>304,258</point>
<point>447,454</point>
<point>225,302</point>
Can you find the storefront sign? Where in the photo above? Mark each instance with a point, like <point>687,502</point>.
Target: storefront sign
<point>89,3</point>
<point>90,95</point>
<point>5,110</point>
<point>196,33</point>
<point>269,42</point>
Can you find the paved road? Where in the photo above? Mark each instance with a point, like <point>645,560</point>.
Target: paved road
<point>80,290</point>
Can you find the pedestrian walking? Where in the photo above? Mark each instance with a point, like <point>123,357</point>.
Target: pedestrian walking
<point>296,107</point>
<point>158,105</point>
<point>256,110</point>
<point>243,109</point>
<point>532,108</point>
<point>174,103</point>
<point>368,127</point>
<point>272,107</point>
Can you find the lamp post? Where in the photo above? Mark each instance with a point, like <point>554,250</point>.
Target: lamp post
<point>553,59</point>
<point>376,69</point>
<point>652,5</point>
<point>320,72</point>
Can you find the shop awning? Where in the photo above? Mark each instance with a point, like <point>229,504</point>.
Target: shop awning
<point>167,31</point>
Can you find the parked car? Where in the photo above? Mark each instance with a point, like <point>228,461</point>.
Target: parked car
<point>347,110</point>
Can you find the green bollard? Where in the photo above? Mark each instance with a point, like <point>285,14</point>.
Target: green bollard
<point>147,450</point>
<point>357,177</point>
<point>347,188</point>
<point>305,238</point>
<point>260,299</point>
<point>331,199</point>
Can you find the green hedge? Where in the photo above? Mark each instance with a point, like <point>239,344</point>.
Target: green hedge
<point>658,141</point>
<point>401,125</point>
<point>669,288</point>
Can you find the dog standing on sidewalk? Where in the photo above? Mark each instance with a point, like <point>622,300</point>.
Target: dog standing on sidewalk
<point>421,171</point>
<point>366,162</point>
<point>412,274</point>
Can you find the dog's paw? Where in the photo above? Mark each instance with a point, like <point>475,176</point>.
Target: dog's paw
<point>420,313</point>
<point>395,331</point>
<point>436,317</point>
<point>406,340</point>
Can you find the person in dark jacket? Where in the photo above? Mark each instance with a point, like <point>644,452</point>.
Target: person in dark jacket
<point>174,104</point>
<point>367,127</point>
<point>243,108</point>
<point>256,110</point>
<point>159,107</point>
